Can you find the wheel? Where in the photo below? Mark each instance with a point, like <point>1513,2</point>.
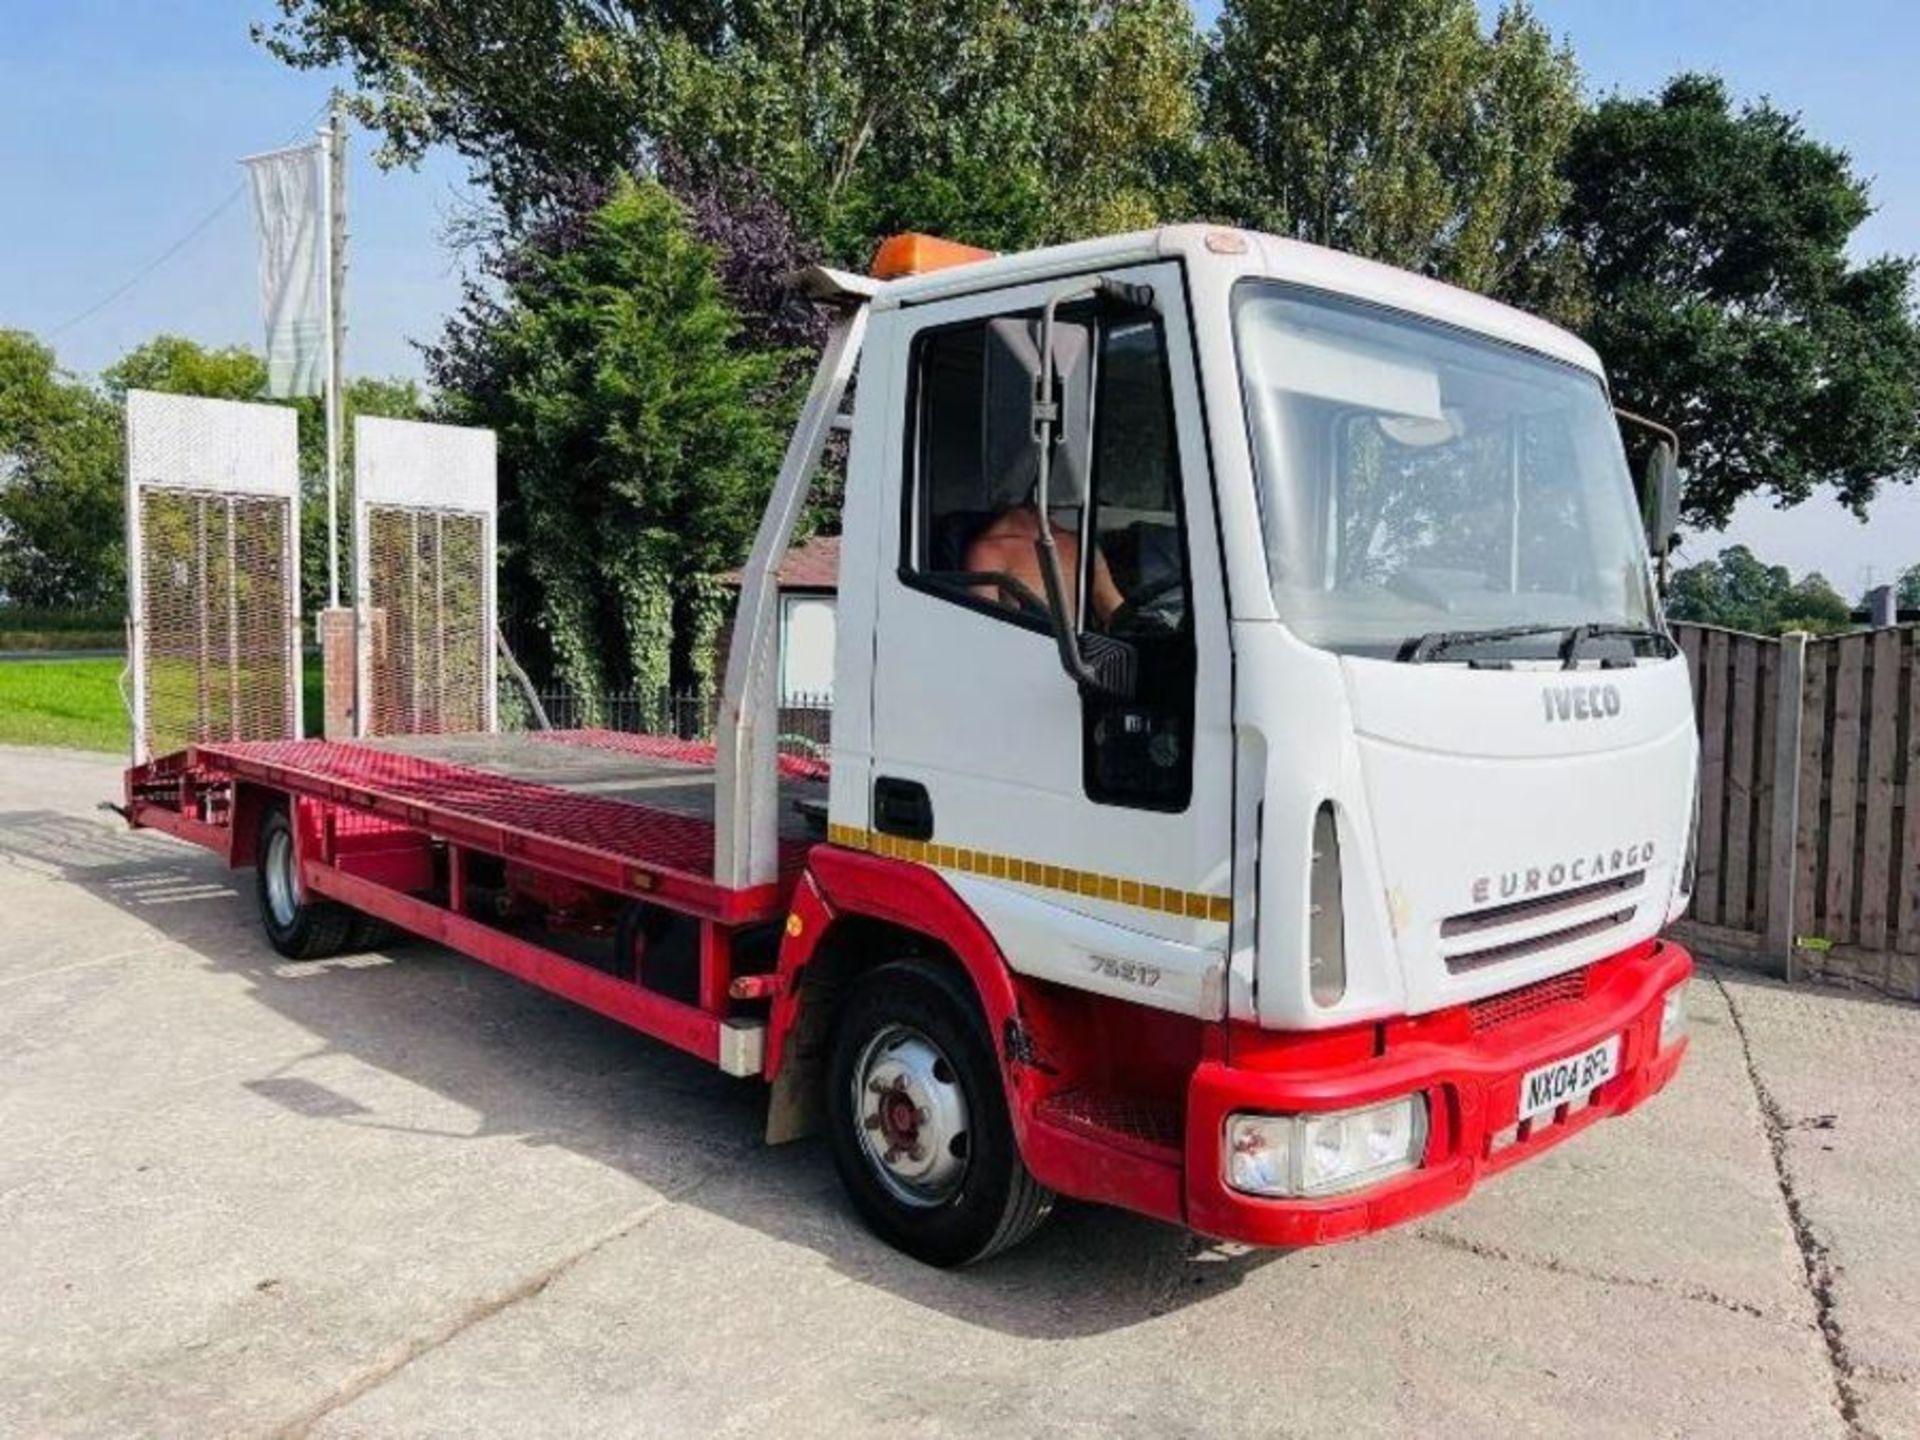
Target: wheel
<point>298,927</point>
<point>370,932</point>
<point>918,1122</point>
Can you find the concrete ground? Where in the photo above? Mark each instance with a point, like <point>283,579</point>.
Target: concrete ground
<point>403,1195</point>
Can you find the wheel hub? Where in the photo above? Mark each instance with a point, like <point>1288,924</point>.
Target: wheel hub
<point>282,899</point>
<point>913,1115</point>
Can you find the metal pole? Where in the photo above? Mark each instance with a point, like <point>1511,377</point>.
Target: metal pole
<point>440,619</point>
<point>203,641</point>
<point>235,730</point>
<point>413,622</point>
<point>333,222</point>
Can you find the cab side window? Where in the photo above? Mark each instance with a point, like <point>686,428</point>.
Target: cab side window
<point>970,524</point>
<point>1136,485</point>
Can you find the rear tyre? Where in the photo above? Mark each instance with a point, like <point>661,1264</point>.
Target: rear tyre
<point>918,1122</point>
<point>300,927</point>
<point>370,932</point>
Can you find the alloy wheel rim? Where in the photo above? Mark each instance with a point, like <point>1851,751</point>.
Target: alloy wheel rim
<point>282,902</point>
<point>912,1116</point>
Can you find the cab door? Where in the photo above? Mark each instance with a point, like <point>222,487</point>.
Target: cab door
<point>1091,835</point>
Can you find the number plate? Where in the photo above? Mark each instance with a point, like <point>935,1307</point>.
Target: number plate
<point>1551,1086</point>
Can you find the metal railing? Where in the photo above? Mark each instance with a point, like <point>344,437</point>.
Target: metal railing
<point>805,721</point>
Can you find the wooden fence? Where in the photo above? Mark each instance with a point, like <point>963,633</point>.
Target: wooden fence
<point>1809,840</point>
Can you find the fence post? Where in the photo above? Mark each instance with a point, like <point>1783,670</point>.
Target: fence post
<point>1782,864</point>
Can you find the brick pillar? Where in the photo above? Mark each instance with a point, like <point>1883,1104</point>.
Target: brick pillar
<point>337,669</point>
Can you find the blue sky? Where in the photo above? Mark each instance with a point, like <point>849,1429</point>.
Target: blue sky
<point>121,120</point>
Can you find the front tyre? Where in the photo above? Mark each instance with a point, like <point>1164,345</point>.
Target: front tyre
<point>299,926</point>
<point>918,1119</point>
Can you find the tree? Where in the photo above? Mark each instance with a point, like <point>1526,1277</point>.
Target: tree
<point>1714,242</point>
<point>174,365</point>
<point>1398,130</point>
<point>60,494</point>
<point>1907,591</point>
<point>1007,125</point>
<point>1738,591</point>
<point>638,438</point>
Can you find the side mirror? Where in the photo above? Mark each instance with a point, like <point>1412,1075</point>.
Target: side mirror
<point>1660,500</point>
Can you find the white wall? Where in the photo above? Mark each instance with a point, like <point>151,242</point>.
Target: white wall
<point>807,628</point>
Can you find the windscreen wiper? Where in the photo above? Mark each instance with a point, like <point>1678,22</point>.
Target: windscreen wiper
<point>1579,635</point>
<point>1436,643</point>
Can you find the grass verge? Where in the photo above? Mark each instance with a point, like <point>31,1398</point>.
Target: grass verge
<point>73,703</point>
<point>76,703</point>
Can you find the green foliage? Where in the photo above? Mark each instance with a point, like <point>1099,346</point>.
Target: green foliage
<point>174,365</point>
<point>637,439</point>
<point>1003,124</point>
<point>62,524</point>
<point>60,494</point>
<point>61,618</point>
<point>1737,591</point>
<point>1399,130</point>
<point>1715,246</point>
<point>1906,592</point>
<point>709,602</point>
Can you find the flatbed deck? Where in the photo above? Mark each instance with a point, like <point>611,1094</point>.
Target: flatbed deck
<point>628,814</point>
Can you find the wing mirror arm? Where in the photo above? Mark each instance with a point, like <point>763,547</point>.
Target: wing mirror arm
<point>1098,664</point>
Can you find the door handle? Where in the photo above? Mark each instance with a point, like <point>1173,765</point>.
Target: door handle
<point>902,807</point>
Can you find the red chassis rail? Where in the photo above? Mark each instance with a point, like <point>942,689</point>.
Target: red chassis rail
<point>1110,1102</point>
<point>367,825</point>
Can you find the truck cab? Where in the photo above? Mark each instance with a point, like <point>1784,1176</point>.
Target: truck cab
<point>1253,652</point>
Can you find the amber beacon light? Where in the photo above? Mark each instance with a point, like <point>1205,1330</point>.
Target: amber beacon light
<point>912,254</point>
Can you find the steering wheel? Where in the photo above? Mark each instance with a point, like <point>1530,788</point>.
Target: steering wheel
<point>1147,611</point>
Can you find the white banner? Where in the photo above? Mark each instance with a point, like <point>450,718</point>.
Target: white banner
<point>287,210</point>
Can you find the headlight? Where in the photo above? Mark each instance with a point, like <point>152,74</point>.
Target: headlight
<point>1310,1155</point>
<point>1673,1015</point>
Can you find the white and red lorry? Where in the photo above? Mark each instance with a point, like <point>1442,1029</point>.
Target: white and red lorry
<point>1277,843</point>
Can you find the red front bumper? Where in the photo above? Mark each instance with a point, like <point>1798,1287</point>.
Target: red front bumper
<point>1472,1084</point>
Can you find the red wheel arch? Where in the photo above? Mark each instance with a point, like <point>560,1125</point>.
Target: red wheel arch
<point>841,883</point>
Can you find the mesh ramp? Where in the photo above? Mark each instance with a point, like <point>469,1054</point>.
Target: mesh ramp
<point>424,535</point>
<point>213,572</point>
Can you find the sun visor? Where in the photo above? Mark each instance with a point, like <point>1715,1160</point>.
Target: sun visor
<point>1013,362</point>
<point>1302,361</point>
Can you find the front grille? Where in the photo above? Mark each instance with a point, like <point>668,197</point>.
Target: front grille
<point>1497,1010</point>
<point>1131,1120</point>
<point>1534,944</point>
<point>1472,922</point>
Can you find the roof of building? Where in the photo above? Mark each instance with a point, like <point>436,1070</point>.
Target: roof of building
<point>813,564</point>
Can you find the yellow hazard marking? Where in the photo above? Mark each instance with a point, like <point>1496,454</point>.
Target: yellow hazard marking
<point>1189,904</point>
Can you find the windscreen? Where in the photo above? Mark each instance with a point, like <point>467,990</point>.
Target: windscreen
<point>1417,479</point>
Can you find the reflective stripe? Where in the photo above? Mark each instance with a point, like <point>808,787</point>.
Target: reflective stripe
<point>1190,904</point>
